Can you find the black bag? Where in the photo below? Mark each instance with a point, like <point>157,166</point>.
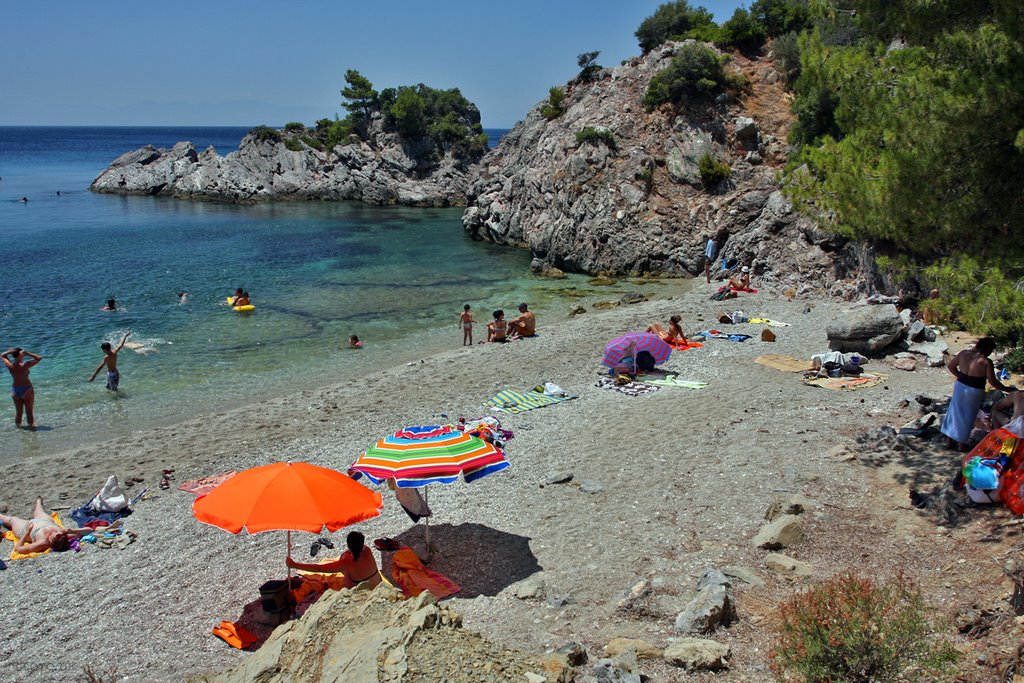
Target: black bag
<point>852,369</point>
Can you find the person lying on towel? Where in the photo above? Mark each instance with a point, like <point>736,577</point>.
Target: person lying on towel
<point>972,368</point>
<point>41,533</point>
<point>357,563</point>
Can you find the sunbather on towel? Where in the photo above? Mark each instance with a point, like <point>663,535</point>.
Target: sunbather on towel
<point>40,533</point>
<point>972,368</point>
<point>674,333</point>
<point>742,282</point>
<point>357,563</point>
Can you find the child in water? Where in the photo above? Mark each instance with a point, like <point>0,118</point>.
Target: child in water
<point>354,343</point>
<point>466,323</point>
<point>111,305</point>
<point>110,362</point>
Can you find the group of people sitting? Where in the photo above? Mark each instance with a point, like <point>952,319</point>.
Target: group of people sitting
<point>501,330</point>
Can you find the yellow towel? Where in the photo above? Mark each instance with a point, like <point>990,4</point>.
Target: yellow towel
<point>9,535</point>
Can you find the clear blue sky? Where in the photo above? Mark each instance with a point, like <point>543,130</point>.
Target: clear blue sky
<point>246,62</point>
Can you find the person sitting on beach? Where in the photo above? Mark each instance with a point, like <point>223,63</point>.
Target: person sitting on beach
<point>40,533</point>
<point>111,305</point>
<point>466,323</point>
<point>110,361</point>
<point>22,391</point>
<point>497,329</point>
<point>742,283</point>
<point>1008,412</point>
<point>674,333</point>
<point>972,368</point>
<point>357,563</point>
<point>525,325</point>
<point>354,343</point>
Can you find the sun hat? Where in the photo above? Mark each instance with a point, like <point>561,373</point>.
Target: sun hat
<point>744,269</point>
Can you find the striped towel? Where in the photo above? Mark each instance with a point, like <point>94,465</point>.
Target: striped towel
<point>520,402</point>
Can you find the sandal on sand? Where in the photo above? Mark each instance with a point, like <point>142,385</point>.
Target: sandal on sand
<point>387,544</point>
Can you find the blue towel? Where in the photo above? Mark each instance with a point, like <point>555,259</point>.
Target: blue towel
<point>963,409</point>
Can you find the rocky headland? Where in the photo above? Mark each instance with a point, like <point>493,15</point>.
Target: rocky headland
<point>632,199</point>
<point>381,166</point>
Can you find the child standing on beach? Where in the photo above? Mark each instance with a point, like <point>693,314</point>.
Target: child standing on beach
<point>110,361</point>
<point>466,323</point>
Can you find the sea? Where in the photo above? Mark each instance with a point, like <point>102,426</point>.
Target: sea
<point>317,272</point>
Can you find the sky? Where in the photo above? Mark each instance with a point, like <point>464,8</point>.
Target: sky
<point>250,62</point>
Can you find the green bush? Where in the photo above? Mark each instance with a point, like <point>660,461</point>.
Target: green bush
<point>596,136</point>
<point>408,112</point>
<point>266,134</point>
<point>983,297</point>
<point>589,68</point>
<point>293,127</point>
<point>1014,360</point>
<point>555,106</point>
<point>696,72</point>
<point>779,17</point>
<point>787,56</point>
<point>313,142</point>
<point>743,30</point>
<point>712,171</point>
<point>854,630</point>
<point>671,21</point>
<point>294,144</point>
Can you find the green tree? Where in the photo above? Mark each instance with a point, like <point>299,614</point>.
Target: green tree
<point>781,16</point>
<point>360,95</point>
<point>672,20</point>
<point>408,113</point>
<point>696,72</point>
<point>743,30</point>
<point>589,67</point>
<point>555,106</point>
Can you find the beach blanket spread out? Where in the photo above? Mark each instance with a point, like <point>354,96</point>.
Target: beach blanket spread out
<point>715,334</point>
<point>784,363</point>
<point>203,485</point>
<point>413,578</point>
<point>673,381</point>
<point>863,381</point>
<point>520,402</point>
<point>9,535</point>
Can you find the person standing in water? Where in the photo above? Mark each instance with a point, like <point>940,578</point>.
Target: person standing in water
<point>22,391</point>
<point>466,323</point>
<point>111,305</point>
<point>110,361</point>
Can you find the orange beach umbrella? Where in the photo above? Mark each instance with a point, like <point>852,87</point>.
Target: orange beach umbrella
<point>287,496</point>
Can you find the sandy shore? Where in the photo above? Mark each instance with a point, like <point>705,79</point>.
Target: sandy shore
<point>685,476</point>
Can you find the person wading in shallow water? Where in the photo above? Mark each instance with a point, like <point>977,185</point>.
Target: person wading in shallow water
<point>22,391</point>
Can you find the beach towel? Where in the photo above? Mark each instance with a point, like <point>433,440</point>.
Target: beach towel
<point>9,535</point>
<point>235,635</point>
<point>683,345</point>
<point>768,322</point>
<point>784,363</point>
<point>864,381</point>
<point>520,402</point>
<point>84,516</point>
<point>715,334</point>
<point>963,409</point>
<point>749,290</point>
<point>629,388</point>
<point>674,381</point>
<point>203,485</point>
<point>413,578</point>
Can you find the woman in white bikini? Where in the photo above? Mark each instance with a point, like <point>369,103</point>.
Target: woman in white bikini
<point>40,533</point>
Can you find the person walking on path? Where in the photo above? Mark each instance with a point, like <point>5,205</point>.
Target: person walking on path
<point>22,391</point>
<point>710,249</point>
<point>110,361</point>
<point>972,369</point>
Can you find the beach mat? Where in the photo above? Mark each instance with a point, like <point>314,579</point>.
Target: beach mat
<point>767,321</point>
<point>9,535</point>
<point>203,485</point>
<point>784,363</point>
<point>520,402</point>
<point>673,381</point>
<point>684,346</point>
<point>863,381</point>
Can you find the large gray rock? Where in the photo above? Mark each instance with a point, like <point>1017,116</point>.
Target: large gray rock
<point>869,328</point>
<point>710,608</point>
<point>782,532</point>
<point>786,565</point>
<point>384,169</point>
<point>696,654</point>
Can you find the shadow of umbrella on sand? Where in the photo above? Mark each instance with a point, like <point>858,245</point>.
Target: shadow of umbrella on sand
<point>484,561</point>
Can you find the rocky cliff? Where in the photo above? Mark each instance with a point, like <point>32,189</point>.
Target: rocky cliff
<point>633,200</point>
<point>381,168</point>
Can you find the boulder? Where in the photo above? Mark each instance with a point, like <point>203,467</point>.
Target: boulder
<point>934,351</point>
<point>870,329</point>
<point>793,505</point>
<point>746,129</point>
<point>916,331</point>
<point>622,669</point>
<point>577,309</point>
<point>642,648</point>
<point>696,654</point>
<point>905,364</point>
<point>633,298</point>
<point>743,574</point>
<point>783,564</point>
<point>710,608</point>
<point>713,577</point>
<point>782,532</point>
<point>574,653</point>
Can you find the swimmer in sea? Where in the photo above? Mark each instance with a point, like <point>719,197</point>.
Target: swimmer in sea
<point>182,297</point>
<point>111,305</point>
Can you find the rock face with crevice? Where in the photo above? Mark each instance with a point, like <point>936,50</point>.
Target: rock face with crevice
<point>383,168</point>
<point>638,204</point>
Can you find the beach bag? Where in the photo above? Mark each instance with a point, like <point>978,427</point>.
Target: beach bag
<point>982,478</point>
<point>111,497</point>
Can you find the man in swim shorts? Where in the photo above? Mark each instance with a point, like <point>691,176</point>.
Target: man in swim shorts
<point>110,361</point>
<point>525,325</point>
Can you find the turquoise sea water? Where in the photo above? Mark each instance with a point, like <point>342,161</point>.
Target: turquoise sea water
<point>318,272</point>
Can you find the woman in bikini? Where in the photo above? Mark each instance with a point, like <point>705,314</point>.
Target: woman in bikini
<point>40,533</point>
<point>357,563</point>
<point>674,335</point>
<point>22,391</point>
<point>498,329</point>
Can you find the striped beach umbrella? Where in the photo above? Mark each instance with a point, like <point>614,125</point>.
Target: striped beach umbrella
<point>633,343</point>
<point>417,456</point>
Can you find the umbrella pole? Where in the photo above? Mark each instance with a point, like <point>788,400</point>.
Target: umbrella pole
<point>289,557</point>
<point>426,501</point>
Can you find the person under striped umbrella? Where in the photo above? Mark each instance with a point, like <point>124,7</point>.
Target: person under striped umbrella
<point>628,346</point>
<point>417,456</point>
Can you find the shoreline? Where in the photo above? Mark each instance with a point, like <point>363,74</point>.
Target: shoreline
<point>684,478</point>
